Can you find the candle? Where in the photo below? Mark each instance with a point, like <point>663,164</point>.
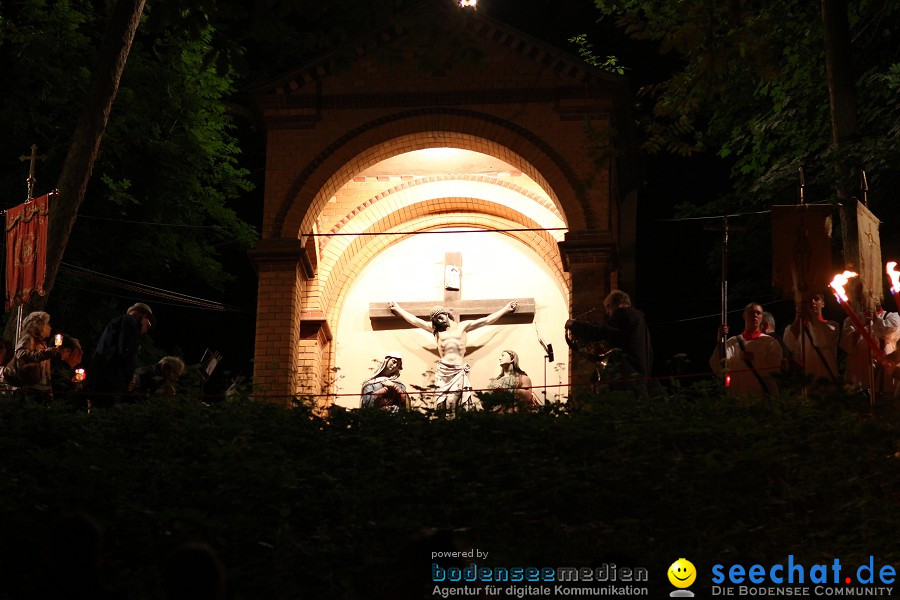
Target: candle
<point>57,339</point>
<point>79,374</point>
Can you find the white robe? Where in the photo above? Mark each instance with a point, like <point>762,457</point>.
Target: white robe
<point>859,357</point>
<point>766,361</point>
<point>886,326</point>
<point>825,337</point>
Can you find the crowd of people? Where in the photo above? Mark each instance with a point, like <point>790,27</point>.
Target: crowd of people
<point>40,369</point>
<point>757,358</point>
<point>751,364</point>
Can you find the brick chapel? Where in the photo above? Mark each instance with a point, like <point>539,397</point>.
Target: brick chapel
<point>445,159</point>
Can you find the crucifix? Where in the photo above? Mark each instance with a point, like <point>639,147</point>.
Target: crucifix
<point>451,383</point>
<point>380,313</point>
<point>31,180</point>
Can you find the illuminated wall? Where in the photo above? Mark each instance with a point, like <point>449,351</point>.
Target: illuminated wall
<point>494,266</point>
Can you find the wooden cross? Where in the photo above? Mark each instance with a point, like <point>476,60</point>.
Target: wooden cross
<point>31,180</point>
<point>380,314</point>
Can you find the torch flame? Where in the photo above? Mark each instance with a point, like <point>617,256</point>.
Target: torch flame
<point>838,283</point>
<point>894,274</point>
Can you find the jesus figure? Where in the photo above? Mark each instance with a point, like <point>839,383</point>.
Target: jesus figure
<point>451,372</point>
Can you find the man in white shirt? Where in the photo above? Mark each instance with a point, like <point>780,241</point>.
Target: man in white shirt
<point>751,358</point>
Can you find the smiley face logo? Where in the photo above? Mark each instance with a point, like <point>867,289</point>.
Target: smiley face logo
<point>682,573</point>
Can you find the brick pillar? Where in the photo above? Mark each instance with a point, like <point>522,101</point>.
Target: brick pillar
<point>587,257</point>
<point>280,266</point>
<point>314,376</point>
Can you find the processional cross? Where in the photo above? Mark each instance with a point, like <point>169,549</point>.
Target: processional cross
<point>380,312</point>
<point>31,180</point>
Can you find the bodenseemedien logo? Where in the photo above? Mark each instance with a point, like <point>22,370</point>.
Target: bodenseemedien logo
<point>545,582</point>
<point>682,574</point>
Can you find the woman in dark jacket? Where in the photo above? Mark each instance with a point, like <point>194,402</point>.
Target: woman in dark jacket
<point>32,363</point>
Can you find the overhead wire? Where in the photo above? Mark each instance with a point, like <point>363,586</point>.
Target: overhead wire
<point>102,278</point>
<point>719,217</point>
<point>133,297</point>
<point>180,298</point>
<point>442,231</point>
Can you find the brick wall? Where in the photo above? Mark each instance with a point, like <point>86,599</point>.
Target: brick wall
<point>541,112</point>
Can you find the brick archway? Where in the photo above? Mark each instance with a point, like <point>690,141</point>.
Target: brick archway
<point>548,117</point>
<point>394,213</point>
<point>323,174</point>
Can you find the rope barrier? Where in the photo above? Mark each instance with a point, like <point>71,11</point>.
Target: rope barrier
<point>623,380</point>
<point>287,399</point>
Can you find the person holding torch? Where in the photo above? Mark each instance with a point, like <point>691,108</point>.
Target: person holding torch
<point>814,340</point>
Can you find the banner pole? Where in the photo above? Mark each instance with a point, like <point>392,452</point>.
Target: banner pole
<point>18,323</point>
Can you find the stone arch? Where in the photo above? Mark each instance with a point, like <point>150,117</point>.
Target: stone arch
<point>430,128</point>
<point>396,208</point>
<point>530,239</point>
<point>424,216</point>
<point>409,186</point>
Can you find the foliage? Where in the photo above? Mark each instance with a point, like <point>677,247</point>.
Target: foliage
<point>737,99</point>
<point>586,52</point>
<point>171,159</point>
<point>168,199</point>
<point>263,39</point>
<point>750,85</point>
<point>172,191</point>
<point>300,506</point>
<point>45,53</point>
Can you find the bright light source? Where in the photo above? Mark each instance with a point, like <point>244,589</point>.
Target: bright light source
<point>894,274</point>
<point>468,3</point>
<point>838,283</point>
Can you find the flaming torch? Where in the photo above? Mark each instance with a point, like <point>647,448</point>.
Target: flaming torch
<point>892,272</point>
<point>837,284</point>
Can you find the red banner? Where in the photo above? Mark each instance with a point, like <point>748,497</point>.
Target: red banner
<point>26,249</point>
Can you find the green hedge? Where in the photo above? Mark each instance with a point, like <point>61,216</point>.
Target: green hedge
<point>351,506</point>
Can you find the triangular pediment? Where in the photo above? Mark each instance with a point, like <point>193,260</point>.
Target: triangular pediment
<point>437,52</point>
